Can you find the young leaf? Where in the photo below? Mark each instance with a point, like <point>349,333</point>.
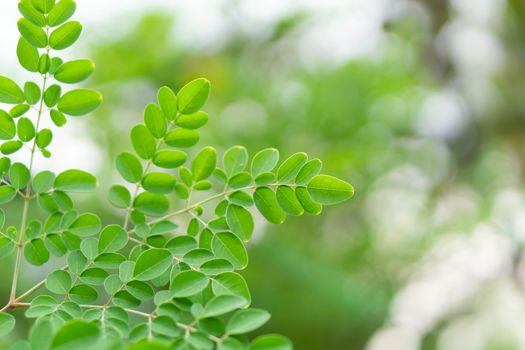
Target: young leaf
<point>204,163</point>
<point>27,55</point>
<point>7,194</point>
<point>129,167</point>
<point>168,102</point>
<point>155,121</point>
<point>151,204</point>
<point>152,263</point>
<point>7,126</point>
<point>44,137</point>
<point>61,12</point>
<point>7,323</point>
<point>309,205</point>
<point>83,294</point>
<point>43,181</point>
<point>182,138</point>
<point>30,13</point>
<point>266,201</point>
<point>79,102</point>
<point>74,71</point>
<point>192,121</point>
<point>308,171</point>
<point>10,92</point>
<point>33,34</point>
<point>329,190</point>
<point>228,246</point>
<point>74,180</point>
<point>169,159</point>
<point>52,95</point>
<point>119,196</point>
<point>188,283</point>
<point>264,161</point>
<point>143,142</point>
<point>158,182</point>
<point>19,175</point>
<point>245,321</point>
<point>65,35</point>
<point>43,6</point>
<point>193,95</point>
<point>25,129</point>
<point>32,92</point>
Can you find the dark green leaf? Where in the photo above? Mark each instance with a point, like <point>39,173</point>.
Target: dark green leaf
<point>188,283</point>
<point>228,246</point>
<point>271,342</point>
<point>76,334</point>
<point>36,252</point>
<point>310,206</point>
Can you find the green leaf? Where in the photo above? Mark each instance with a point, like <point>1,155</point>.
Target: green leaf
<point>266,201</point>
<point>231,283</point>
<point>271,342</point>
<point>222,304</point>
<point>74,180</point>
<point>7,126</point>
<point>57,117</point>
<point>204,163</point>
<point>188,283</point>
<point>83,294</point>
<point>245,321</point>
<point>288,201</point>
<point>158,182</point>
<point>10,92</point>
<point>291,167</point>
<point>152,263</point>
<point>129,167</point>
<point>43,6</point>
<point>231,344</point>
<point>180,245</point>
<point>85,225</point>
<point>27,55</point>
<point>11,147</point>
<point>169,159</point>
<point>182,138</point>
<point>44,63</point>
<point>228,246</point>
<point>168,102</point>
<point>33,34</point>
<point>30,13</point>
<point>32,92</point>
<point>192,121</point>
<point>308,171</point>
<point>7,323</point>
<point>155,121</point>
<point>329,190</point>
<point>235,160</point>
<point>140,290</point>
<point>89,247</point>
<point>7,246</point>
<point>58,282</point>
<point>240,221</point>
<point>19,175</point>
<point>165,326</point>
<point>216,266</point>
<point>25,129</point>
<point>94,276</point>
<point>109,260</point>
<point>36,252</point>
<point>264,161</point>
<point>61,12</point>
<point>43,138</point>
<point>119,196</point>
<point>18,110</point>
<point>76,334</point>
<point>76,262</point>
<point>240,180</point>
<point>112,239</point>
<point>310,206</point>
<point>146,344</point>
<point>43,181</point>
<point>79,102</point>
<point>193,95</point>
<point>65,35</point>
<point>75,71</point>
<point>151,204</point>
<point>52,95</point>
<point>143,142</point>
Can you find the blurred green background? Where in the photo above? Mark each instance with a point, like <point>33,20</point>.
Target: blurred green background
<point>419,104</point>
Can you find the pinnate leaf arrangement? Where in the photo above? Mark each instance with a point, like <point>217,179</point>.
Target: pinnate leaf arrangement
<point>167,276</point>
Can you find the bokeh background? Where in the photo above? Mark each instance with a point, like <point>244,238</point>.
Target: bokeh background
<point>419,104</point>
